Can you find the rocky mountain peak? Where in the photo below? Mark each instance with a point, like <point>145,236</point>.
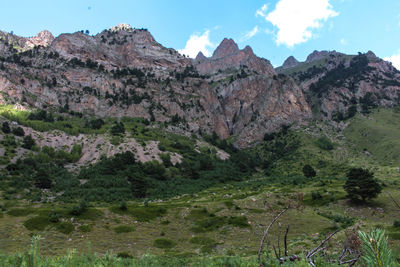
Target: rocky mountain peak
<point>227,47</point>
<point>121,27</point>
<point>316,55</point>
<point>248,50</point>
<point>43,38</point>
<point>200,57</point>
<point>290,62</point>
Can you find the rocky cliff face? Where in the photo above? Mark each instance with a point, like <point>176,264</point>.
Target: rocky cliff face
<point>338,85</point>
<point>125,72</point>
<point>9,41</point>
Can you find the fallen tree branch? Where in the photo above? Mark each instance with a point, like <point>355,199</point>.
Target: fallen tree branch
<point>266,233</point>
<point>318,248</point>
<point>285,240</point>
<point>394,200</point>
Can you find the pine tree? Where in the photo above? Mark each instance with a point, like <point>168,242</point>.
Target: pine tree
<point>309,171</point>
<point>361,183</point>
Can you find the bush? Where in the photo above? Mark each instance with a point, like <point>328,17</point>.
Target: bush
<point>124,229</point>
<point>37,223</point>
<point>396,224</point>
<point>118,129</point>
<point>28,142</point>
<point>309,171</point>
<point>18,131</point>
<point>86,228</point>
<point>65,228</point>
<point>6,128</point>
<point>240,221</point>
<point>54,217</point>
<point>315,195</point>
<point>324,143</point>
<point>123,206</point>
<point>163,243</point>
<point>124,255</point>
<point>79,210</point>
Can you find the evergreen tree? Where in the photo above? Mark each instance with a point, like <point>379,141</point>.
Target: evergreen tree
<point>361,184</point>
<point>6,128</point>
<point>309,171</point>
<point>28,142</point>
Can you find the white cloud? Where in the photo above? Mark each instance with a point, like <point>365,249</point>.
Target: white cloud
<point>250,34</point>
<point>262,11</point>
<point>197,43</point>
<point>395,59</point>
<point>343,41</point>
<point>296,19</point>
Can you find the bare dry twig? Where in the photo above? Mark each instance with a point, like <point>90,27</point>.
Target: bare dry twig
<point>266,233</point>
<point>318,248</point>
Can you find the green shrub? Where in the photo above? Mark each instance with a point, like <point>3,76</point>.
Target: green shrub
<point>239,221</point>
<point>18,131</point>
<point>65,227</point>
<point>197,214</point>
<point>324,143</point>
<point>6,127</point>
<point>124,255</point>
<point>54,216</point>
<point>229,204</point>
<point>124,229</point>
<point>20,212</point>
<point>80,209</point>
<point>396,224</point>
<point>28,142</point>
<point>309,171</point>
<point>163,243</point>
<point>123,206</point>
<point>37,223</point>
<point>91,214</point>
<point>316,195</point>
<point>86,228</point>
<point>148,213</point>
<point>209,224</point>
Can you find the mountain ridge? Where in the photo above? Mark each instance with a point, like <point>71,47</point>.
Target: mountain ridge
<point>125,72</point>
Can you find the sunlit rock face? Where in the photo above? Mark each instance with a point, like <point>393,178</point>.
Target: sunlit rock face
<point>124,71</point>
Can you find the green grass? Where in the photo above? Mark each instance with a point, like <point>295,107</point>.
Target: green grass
<point>141,213</point>
<point>124,229</point>
<point>91,214</point>
<point>202,240</point>
<point>21,212</point>
<point>164,243</point>
<point>377,134</point>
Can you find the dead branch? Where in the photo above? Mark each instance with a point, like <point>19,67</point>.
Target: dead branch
<point>318,248</point>
<point>394,200</point>
<point>266,233</point>
<point>285,240</point>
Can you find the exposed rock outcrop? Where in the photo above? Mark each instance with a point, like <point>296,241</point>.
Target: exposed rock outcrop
<point>126,72</point>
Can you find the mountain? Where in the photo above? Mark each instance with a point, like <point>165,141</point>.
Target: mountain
<point>338,86</point>
<point>125,72</point>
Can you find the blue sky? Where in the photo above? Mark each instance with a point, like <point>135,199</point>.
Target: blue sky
<point>275,29</point>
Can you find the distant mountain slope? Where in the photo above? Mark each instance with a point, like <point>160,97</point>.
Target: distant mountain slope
<point>125,72</point>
